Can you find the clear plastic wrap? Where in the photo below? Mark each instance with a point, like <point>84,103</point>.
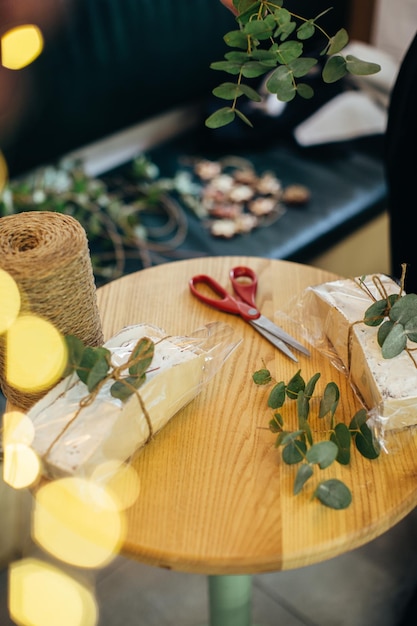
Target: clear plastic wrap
<point>330,317</point>
<point>72,440</point>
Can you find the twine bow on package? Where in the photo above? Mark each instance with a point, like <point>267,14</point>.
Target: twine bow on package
<point>332,319</point>
<point>111,399</point>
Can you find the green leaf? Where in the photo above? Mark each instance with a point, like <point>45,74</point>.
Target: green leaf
<point>306,30</point>
<point>376,312</point>
<point>404,308</point>
<point>311,384</point>
<point>236,56</point>
<point>294,452</point>
<point>322,453</point>
<point>124,388</point>
<point>231,67</point>
<point>358,419</point>
<point>303,405</point>
<point>236,39</point>
<point>276,424</point>
<point>361,68</point>
<point>338,42</point>
<point>366,444</point>
<point>221,117</point>
<point>94,366</point>
<point>295,385</point>
<point>98,370</point>
<point>305,426</point>
<point>260,28</point>
<point>141,357</point>
<point>262,377</point>
<point>330,400</point>
<point>228,91</point>
<point>75,349</point>
<point>289,51</point>
<point>395,342</point>
<point>244,118</point>
<point>253,69</point>
<point>246,9</point>
<point>304,472</point>
<point>277,396</point>
<point>334,494</point>
<point>250,93</point>
<point>383,331</point>
<point>334,69</point>
<point>411,329</point>
<point>301,66</point>
<point>305,91</point>
<point>342,438</point>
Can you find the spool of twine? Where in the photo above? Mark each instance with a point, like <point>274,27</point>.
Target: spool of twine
<point>48,256</point>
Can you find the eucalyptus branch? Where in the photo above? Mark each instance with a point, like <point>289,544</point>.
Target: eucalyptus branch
<point>270,40</point>
<point>297,442</point>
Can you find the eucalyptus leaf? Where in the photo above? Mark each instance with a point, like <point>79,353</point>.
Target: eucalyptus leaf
<point>301,66</point>
<point>304,472</point>
<point>295,385</point>
<point>289,51</point>
<point>253,69</point>
<point>383,331</point>
<point>376,312</point>
<point>260,28</point>
<point>311,385</point>
<point>124,388</point>
<point>338,42</point>
<point>411,329</point>
<point>250,93</point>
<point>366,444</point>
<point>236,39</point>
<point>358,419</point>
<point>334,494</point>
<point>303,405</point>
<point>98,358</point>
<point>341,436</point>
<point>243,117</point>
<point>231,67</point>
<point>294,452</point>
<point>75,349</point>
<point>361,68</point>
<point>228,91</point>
<point>334,69</point>
<point>395,342</point>
<point>322,453</point>
<point>306,30</point>
<point>262,377</point>
<point>221,117</point>
<point>277,396</point>
<point>141,357</point>
<point>276,424</point>
<point>404,308</point>
<point>330,400</point>
<point>305,90</point>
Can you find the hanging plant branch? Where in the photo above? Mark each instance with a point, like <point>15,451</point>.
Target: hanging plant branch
<point>270,40</point>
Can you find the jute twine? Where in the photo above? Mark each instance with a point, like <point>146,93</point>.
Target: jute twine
<point>48,256</point>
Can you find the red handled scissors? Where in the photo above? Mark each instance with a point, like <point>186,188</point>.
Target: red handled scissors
<point>245,306</point>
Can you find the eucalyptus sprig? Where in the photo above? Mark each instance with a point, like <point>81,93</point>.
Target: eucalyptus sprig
<point>396,317</point>
<point>94,367</point>
<point>270,39</point>
<point>298,444</point>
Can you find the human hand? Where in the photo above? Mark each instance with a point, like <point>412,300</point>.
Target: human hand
<point>229,5</point>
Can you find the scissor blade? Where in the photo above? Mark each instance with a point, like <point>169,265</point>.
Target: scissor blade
<point>266,324</point>
<point>274,340</point>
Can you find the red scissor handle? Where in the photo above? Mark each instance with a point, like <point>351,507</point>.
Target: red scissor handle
<point>246,290</point>
<point>225,302</point>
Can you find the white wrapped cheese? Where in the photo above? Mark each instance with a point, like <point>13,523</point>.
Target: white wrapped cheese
<point>74,441</point>
<point>388,387</point>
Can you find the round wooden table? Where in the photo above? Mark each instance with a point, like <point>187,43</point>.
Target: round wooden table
<point>216,497</point>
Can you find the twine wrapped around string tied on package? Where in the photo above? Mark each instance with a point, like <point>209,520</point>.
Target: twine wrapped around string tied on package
<point>47,254</point>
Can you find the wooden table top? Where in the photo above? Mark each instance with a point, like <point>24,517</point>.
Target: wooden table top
<point>216,498</point>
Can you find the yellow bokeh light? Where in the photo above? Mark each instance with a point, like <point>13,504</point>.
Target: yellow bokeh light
<point>17,428</point>
<point>36,354</point>
<point>4,172</point>
<point>42,595</point>
<point>21,465</point>
<point>20,46</point>
<point>9,300</point>
<point>122,480</point>
<point>78,522</point>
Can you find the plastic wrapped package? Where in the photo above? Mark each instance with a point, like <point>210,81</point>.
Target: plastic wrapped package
<point>331,316</point>
<point>73,436</point>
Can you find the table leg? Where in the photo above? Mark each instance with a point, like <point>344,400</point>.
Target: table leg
<point>230,600</point>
